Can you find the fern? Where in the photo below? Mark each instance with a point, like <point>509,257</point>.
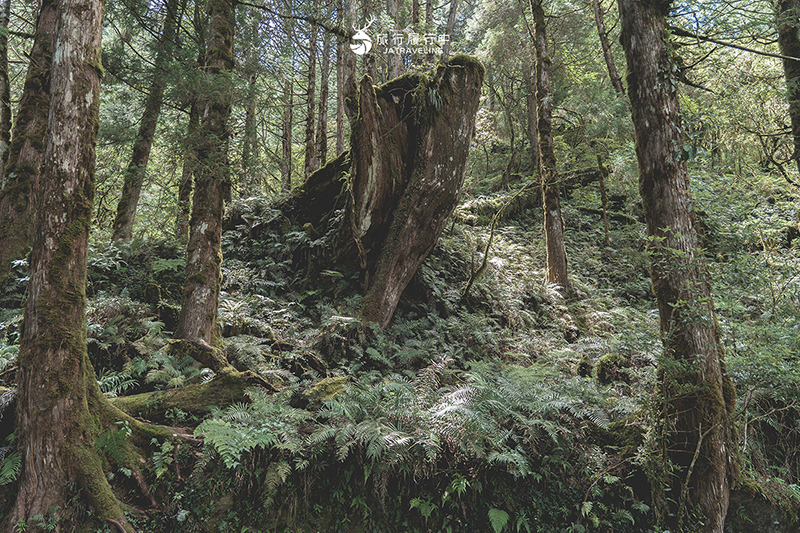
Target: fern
<point>498,518</point>
<point>9,465</point>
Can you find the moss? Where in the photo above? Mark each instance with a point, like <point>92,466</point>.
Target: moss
<point>585,367</point>
<point>463,60</point>
<point>226,389</point>
<point>610,368</point>
<point>313,397</point>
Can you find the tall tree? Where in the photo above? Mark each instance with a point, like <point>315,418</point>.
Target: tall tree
<point>322,114</point>
<point>5,90</point>
<point>451,24</point>
<point>250,183</point>
<point>698,397</point>
<point>135,173</point>
<point>341,52</point>
<point>187,173</point>
<point>198,322</point>
<point>616,81</point>
<point>287,122</point>
<point>18,197</point>
<point>788,25</point>
<point>551,191</point>
<point>56,382</point>
<point>395,61</point>
<point>311,95</point>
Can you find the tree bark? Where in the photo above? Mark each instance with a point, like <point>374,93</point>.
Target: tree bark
<point>250,182</point>
<point>395,61</point>
<point>788,26</point>
<point>135,173</point>
<point>311,95</point>
<point>348,59</point>
<point>187,174</point>
<point>616,81</point>
<point>198,317</point>
<point>698,395</point>
<point>405,170</point>
<point>286,132</point>
<point>18,198</point>
<point>5,91</point>
<point>451,24</point>
<point>551,191</point>
<point>533,114</point>
<point>56,381</point>
<point>322,114</point>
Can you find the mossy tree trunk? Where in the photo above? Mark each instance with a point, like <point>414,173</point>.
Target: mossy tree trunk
<point>698,397</point>
<point>551,191</point>
<point>56,382</point>
<point>788,26</point>
<point>198,318</point>
<point>142,145</point>
<point>18,197</point>
<point>406,166</point>
<point>187,174</point>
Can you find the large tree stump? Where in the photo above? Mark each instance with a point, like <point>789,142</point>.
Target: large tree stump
<point>400,181</point>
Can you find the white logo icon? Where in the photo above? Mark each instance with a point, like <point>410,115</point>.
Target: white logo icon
<point>363,42</point>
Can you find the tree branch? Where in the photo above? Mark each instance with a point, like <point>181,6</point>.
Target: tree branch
<point>685,33</point>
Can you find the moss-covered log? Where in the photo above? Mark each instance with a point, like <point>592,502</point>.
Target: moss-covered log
<point>400,180</point>
<point>227,388</point>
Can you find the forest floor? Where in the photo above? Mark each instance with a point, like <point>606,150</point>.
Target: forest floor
<point>511,408</point>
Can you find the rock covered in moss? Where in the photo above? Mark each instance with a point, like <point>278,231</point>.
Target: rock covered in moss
<point>611,367</point>
<point>313,396</point>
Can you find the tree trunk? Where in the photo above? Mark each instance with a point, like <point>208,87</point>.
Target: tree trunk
<point>286,133</point>
<point>370,64</point>
<point>395,61</point>
<point>616,81</point>
<point>309,140</point>
<point>348,59</point>
<point>553,221</point>
<point>56,381</point>
<point>429,28</point>
<point>18,198</point>
<point>451,24</point>
<point>533,114</point>
<point>406,167</point>
<point>324,88</point>
<point>187,173</point>
<point>698,395</point>
<point>198,317</point>
<point>5,91</point>
<point>250,183</point>
<point>135,173</point>
<point>788,25</point>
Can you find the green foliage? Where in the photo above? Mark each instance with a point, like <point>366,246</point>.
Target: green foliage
<point>498,518</point>
<point>264,423</point>
<point>9,466</point>
<point>112,442</point>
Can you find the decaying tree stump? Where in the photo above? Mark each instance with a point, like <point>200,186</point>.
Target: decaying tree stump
<point>383,204</point>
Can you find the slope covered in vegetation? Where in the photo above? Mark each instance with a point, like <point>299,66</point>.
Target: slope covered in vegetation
<point>507,408</point>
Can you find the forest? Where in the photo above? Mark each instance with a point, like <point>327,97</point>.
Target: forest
<point>423,266</point>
